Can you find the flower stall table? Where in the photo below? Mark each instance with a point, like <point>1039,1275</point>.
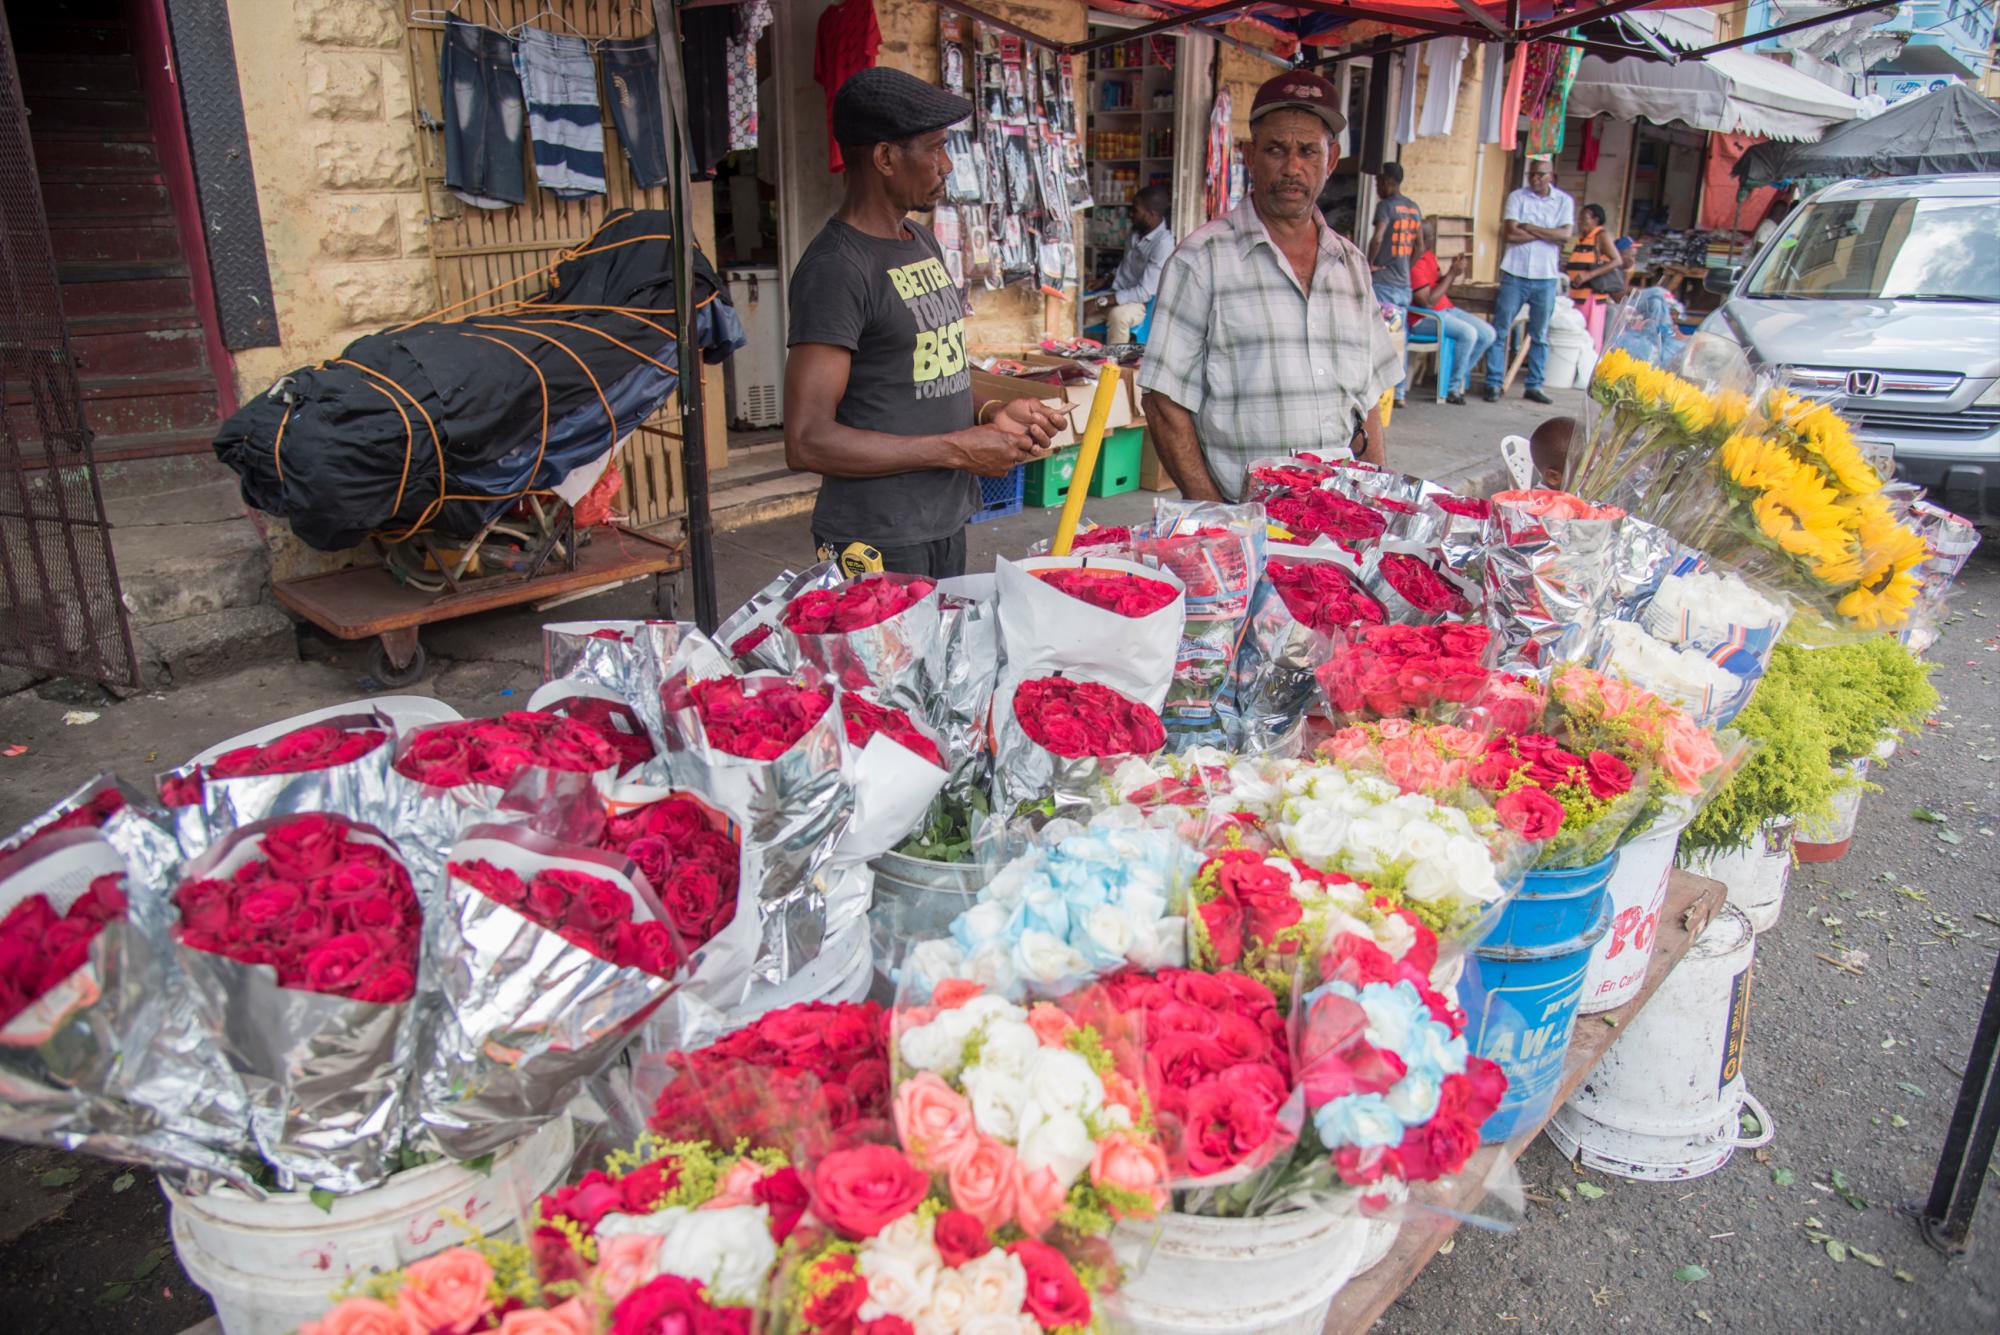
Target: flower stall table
<point>1691,902</point>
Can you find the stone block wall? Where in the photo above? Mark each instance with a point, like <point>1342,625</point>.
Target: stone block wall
<point>326,97</point>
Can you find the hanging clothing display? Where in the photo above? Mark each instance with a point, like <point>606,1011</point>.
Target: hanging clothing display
<point>560,80</point>
<point>1215,194</point>
<point>1445,59</point>
<point>1510,104</point>
<point>1586,156</point>
<point>483,115</point>
<point>1723,203</point>
<point>1492,90</point>
<point>1406,95</point>
<point>847,41</point>
<point>1545,131</point>
<point>752,17</point>
<point>705,35</point>
<point>632,87</point>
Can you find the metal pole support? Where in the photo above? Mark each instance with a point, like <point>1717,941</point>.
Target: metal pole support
<point>1946,1217</point>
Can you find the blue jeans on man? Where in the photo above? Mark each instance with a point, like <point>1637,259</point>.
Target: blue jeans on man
<point>1399,297</point>
<point>1470,337</point>
<point>1539,296</point>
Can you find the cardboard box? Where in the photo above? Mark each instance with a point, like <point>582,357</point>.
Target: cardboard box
<point>1077,395</point>
<point>1153,474</point>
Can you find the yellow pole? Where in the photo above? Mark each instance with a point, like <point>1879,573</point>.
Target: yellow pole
<point>1086,459</point>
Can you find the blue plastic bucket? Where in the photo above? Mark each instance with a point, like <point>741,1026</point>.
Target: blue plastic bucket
<point>1552,907</point>
<point>1520,1006</point>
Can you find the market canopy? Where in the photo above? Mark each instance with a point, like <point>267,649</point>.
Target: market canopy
<point>1951,130</point>
<point>1729,92</point>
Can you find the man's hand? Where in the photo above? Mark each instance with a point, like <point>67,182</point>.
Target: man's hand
<point>1459,264</point>
<point>1037,419</point>
<point>990,451</point>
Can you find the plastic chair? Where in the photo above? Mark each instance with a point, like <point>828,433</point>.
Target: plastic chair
<point>1426,330</point>
<point>1145,326</point>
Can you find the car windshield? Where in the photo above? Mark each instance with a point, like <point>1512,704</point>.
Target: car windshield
<point>1943,249</point>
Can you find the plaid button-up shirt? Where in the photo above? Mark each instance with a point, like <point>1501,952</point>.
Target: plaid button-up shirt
<point>1264,365</point>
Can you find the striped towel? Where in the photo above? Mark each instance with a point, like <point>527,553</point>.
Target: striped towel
<point>560,80</point>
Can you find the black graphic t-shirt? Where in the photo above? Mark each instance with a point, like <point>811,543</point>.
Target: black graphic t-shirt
<point>1399,243</point>
<point>893,306</point>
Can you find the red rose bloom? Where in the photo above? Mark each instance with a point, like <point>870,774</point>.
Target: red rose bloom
<point>864,718</point>
<point>960,1238</point>
<point>1530,813</point>
<point>783,1193</point>
<point>856,605</point>
<point>1420,586</point>
<point>1074,719</point>
<point>1222,918</point>
<point>1117,591</point>
<point>1609,776</point>
<point>1322,596</point>
<point>1056,1297</point>
<point>1227,1125</point>
<point>860,1191</point>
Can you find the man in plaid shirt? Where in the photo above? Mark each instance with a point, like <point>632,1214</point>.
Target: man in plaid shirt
<point>1267,336</point>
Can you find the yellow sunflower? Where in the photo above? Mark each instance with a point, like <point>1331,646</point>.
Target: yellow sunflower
<point>1881,603</point>
<point>1802,516</point>
<point>1825,436</point>
<point>1755,464</point>
<point>1885,541</point>
<point>1691,409</point>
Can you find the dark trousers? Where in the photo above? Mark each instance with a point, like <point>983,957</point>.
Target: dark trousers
<point>943,558</point>
<point>484,116</point>
<point>632,87</point>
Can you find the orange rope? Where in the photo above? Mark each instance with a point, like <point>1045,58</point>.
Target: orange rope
<point>609,416</point>
<point>562,257</point>
<point>278,445</point>
<point>409,439</point>
<point>409,443</point>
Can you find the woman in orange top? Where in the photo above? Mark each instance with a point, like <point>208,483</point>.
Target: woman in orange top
<point>1596,270</point>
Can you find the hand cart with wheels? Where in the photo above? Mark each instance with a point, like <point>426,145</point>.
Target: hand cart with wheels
<point>425,581</point>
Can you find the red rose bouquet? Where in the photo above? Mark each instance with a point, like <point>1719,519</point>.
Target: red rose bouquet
<point>612,719</point>
<point>1413,590</point>
<point>1257,914</point>
<point>1322,595</point>
<point>90,807</point>
<point>1112,590</point>
<point>1326,514</point>
<point>548,960</point>
<point>1425,672</point>
<point>492,752</point>
<point>42,945</point>
<point>1079,719</point>
<point>1285,476</point>
<point>879,631</point>
<point>691,856</point>
<point>338,764</point>
<point>857,605</point>
<point>1105,535</point>
<point>311,922</point>
<point>1462,507</point>
<point>757,718</point>
<point>827,1063</point>
<point>316,746</point>
<point>862,719</point>
<point>1576,805</point>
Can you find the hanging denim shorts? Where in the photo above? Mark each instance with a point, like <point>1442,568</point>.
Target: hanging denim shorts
<point>484,117</point>
<point>632,87</point>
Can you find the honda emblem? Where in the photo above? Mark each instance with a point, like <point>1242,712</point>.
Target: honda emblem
<point>1864,384</point>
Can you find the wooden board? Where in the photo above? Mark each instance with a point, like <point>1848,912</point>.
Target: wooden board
<point>1691,902</point>
<point>365,601</point>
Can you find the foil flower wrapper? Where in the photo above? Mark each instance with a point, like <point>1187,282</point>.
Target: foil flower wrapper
<point>1397,497</point>
<point>1043,630</point>
<point>1400,610</point>
<point>599,651</point>
<point>1216,551</point>
<point>1548,580</point>
<point>792,810</point>
<point>1296,470</point>
<point>1461,538</point>
<point>525,1017</point>
<point>1273,687</point>
<point>893,791</point>
<point>103,1062</point>
<point>969,634</point>
<point>1027,773</point>
<point>558,695</point>
<point>359,790</point>
<point>897,660</point>
<point>752,635</point>
<point>326,1076</point>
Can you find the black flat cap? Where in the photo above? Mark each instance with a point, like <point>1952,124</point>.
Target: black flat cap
<point>880,106</point>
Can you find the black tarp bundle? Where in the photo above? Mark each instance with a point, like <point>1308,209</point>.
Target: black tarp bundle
<point>439,426</point>
<point>1951,130</point>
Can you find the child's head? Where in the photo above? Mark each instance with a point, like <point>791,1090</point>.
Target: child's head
<point>1549,448</point>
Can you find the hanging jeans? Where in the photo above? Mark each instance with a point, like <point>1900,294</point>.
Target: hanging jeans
<point>484,112</point>
<point>1470,338</point>
<point>632,87</point>
<point>1539,296</point>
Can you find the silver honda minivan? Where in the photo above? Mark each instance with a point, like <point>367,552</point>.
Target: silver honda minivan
<point>1886,294</point>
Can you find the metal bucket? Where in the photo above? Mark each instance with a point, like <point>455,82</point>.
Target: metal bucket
<point>1756,876</point>
<point>1665,1104</point>
<point>1828,839</point>
<point>916,899</point>
<point>1521,992</point>
<point>1638,891</point>
<point>1273,1275</point>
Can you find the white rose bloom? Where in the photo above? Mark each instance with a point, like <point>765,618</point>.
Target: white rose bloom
<point>931,1047</point>
<point>1395,935</point>
<point>930,962</point>
<point>729,1250</point>
<point>656,1224</point>
<point>1414,1098</point>
<point>993,969</point>
<point>1421,841</point>
<point>1163,945</point>
<point>1061,1144</point>
<point>1370,843</point>
<point>980,925</point>
<point>999,1284</point>
<point>1008,1047</point>
<point>1472,867</point>
<point>1040,957</point>
<point>1132,775</point>
<point>1317,834</point>
<point>1062,1081</point>
<point>950,1305</point>
<point>997,1099</point>
<point>910,1238</point>
<point>1107,934</point>
<point>896,1286</point>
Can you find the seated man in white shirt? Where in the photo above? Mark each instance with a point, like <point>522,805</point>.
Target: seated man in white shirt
<point>1138,278</point>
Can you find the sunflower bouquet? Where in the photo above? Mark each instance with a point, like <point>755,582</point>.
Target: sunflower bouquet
<point>1653,430</point>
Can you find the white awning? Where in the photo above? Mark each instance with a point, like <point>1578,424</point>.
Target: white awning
<point>1732,92</point>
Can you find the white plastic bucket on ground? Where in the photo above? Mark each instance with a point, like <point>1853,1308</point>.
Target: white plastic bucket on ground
<point>1827,838</point>
<point>408,712</point>
<point>1755,876</point>
<point>1638,891</point>
<point>1273,1275</point>
<point>1383,1229</point>
<point>842,971</point>
<point>1666,1102</point>
<point>271,1265</point>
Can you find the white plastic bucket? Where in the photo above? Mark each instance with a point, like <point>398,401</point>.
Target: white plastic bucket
<point>1272,1275</point>
<point>408,712</point>
<point>1383,1228</point>
<point>1638,891</point>
<point>1755,876</point>
<point>271,1265</point>
<point>1828,838</point>
<point>842,971</point>
<point>1666,1102</point>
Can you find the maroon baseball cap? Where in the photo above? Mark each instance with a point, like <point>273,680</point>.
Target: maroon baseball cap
<point>1300,90</point>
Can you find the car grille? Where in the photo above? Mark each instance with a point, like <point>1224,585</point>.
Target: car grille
<point>1975,421</point>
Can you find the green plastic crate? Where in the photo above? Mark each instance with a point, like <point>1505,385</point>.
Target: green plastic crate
<point>1118,462</point>
<point>1048,479</point>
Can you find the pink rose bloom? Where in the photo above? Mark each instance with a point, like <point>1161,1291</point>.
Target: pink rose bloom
<point>447,1292</point>
<point>934,1122</point>
<point>1038,1199</point>
<point>624,1263</point>
<point>568,1318</point>
<point>358,1316</point>
<point>1052,1027</point>
<point>1462,742</point>
<point>1394,728</point>
<point>1347,744</point>
<point>1131,1163</point>
<point>1688,753</point>
<point>736,1186</point>
<point>983,1183</point>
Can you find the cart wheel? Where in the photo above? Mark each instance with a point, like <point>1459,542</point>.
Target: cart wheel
<point>387,674</point>
<point>666,598</point>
